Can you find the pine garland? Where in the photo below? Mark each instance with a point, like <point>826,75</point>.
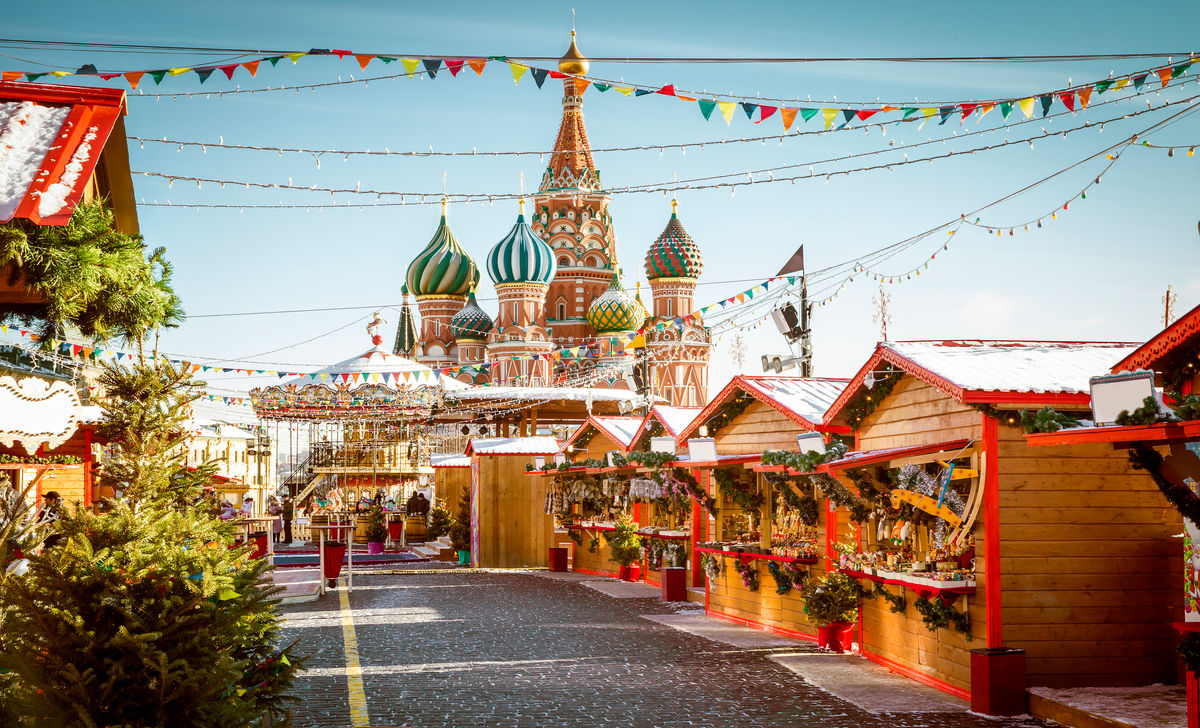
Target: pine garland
<point>783,581</point>
<point>858,411</point>
<point>1144,457</point>
<point>726,415</point>
<point>1046,420</point>
<point>936,613</point>
<point>1148,414</point>
<point>748,570</point>
<point>804,504</point>
<point>7,459</point>
<point>741,495</point>
<point>896,602</point>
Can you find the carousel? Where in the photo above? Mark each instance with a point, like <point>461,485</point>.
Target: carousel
<point>368,423</point>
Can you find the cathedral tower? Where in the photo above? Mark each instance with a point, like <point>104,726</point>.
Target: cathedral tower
<point>440,277</point>
<point>570,212</point>
<point>678,354</point>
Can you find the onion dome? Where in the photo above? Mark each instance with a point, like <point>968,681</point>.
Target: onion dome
<point>573,61</point>
<point>674,254</point>
<point>471,321</point>
<point>615,310</point>
<point>443,268</point>
<point>521,257</point>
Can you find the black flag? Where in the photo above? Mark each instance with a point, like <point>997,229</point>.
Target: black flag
<point>795,263</point>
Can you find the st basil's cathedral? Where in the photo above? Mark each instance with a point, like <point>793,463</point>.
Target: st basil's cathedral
<point>558,284</point>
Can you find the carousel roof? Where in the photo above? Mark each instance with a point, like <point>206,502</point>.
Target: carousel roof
<point>373,384</point>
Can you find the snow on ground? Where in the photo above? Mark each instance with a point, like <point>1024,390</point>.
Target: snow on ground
<point>1152,706</point>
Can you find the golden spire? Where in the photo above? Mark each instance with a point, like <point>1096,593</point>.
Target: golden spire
<point>521,206</point>
<point>444,203</point>
<point>674,206</point>
<point>573,62</point>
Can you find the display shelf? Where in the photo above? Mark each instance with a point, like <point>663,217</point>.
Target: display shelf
<point>764,557</point>
<point>918,584</point>
<point>668,536</point>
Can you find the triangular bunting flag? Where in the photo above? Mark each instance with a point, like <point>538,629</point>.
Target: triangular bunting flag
<point>296,57</point>
<point>749,109</point>
<point>1103,86</point>
<point>706,107</point>
<point>1006,108</point>
<point>363,59</point>
<point>727,108</point>
<point>601,87</point>
<point>848,115</point>
<point>623,90</point>
<point>274,60</point>
<point>454,66</point>
<point>1138,80</point>
<point>967,110</point>
<point>539,75</point>
<point>10,75</point>
<point>133,77</point>
<point>33,76</point>
<point>908,111</point>
<point>1026,106</point>
<point>178,71</point>
<point>1164,75</point>
<point>204,73</point>
<point>668,90</point>
<point>228,71</point>
<point>1122,84</point>
<point>1068,100</point>
<point>477,65</point>
<point>944,113</point>
<point>787,116</point>
<point>641,92</point>
<point>829,115</point>
<point>410,65</point>
<point>864,114</point>
<point>158,76</point>
<point>985,109</point>
<point>1181,68</point>
<point>432,66</point>
<point>1046,101</point>
<point>252,67</point>
<point>517,71</point>
<point>808,114</point>
<point>1085,95</point>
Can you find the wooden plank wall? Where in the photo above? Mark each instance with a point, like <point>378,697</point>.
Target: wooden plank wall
<point>1091,575</point>
<point>448,486</point>
<point>514,531</point>
<point>729,597</point>
<point>598,563</point>
<point>758,428</point>
<point>914,413</point>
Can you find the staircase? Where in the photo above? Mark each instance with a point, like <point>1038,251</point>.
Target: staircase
<point>439,550</point>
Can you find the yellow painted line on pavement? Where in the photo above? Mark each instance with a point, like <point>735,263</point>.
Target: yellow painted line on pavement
<point>354,677</point>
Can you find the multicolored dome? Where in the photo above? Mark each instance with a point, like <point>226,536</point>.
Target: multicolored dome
<point>471,321</point>
<point>674,254</point>
<point>521,257</point>
<point>615,310</point>
<point>443,268</point>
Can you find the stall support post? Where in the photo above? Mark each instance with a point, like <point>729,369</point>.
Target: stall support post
<point>699,524</point>
<point>320,561</point>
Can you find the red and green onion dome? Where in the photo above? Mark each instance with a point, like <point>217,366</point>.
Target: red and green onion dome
<point>615,310</point>
<point>674,254</point>
<point>521,257</point>
<point>471,322</point>
<point>443,268</point>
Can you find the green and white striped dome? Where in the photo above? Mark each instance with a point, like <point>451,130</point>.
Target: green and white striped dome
<point>471,322</point>
<point>521,257</point>
<point>443,268</point>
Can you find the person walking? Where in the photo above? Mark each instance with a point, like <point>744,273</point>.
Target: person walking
<point>275,510</point>
<point>51,511</point>
<point>289,512</point>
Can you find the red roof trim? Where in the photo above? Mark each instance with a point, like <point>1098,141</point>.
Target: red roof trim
<point>1162,432</point>
<point>592,422</point>
<point>48,93</point>
<point>1164,343</point>
<point>871,457</point>
<point>738,382</point>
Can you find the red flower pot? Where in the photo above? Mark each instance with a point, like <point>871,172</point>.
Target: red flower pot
<point>837,637</point>
<point>630,573</point>
<point>335,552</point>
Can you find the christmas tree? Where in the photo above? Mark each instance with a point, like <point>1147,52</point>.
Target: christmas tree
<point>144,614</point>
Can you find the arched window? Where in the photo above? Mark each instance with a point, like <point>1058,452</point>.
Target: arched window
<point>563,261</point>
<point>562,311</point>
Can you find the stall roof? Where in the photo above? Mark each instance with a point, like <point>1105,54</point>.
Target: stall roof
<point>512,446</point>
<point>1185,331</point>
<point>1161,433</point>
<point>883,455</point>
<point>803,400</point>
<point>53,136</point>
<point>449,460</point>
<point>673,420</point>
<point>975,371</point>
<point>620,430</point>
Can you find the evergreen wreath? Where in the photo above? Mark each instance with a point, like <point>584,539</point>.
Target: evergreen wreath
<point>937,613</point>
<point>575,535</point>
<point>738,492</point>
<point>1144,457</point>
<point>896,602</point>
<point>783,581</point>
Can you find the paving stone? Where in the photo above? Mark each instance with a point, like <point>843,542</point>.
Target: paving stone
<point>514,650</point>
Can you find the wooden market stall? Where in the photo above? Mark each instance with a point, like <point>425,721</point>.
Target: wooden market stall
<point>759,530</point>
<point>451,479</point>
<point>662,421</point>
<point>509,527</point>
<point>1062,552</point>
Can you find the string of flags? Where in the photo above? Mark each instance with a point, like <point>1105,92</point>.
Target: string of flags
<point>1073,98</point>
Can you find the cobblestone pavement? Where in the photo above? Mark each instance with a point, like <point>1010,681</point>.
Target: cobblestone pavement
<point>513,649</point>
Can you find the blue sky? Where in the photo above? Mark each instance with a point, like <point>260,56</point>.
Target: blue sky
<point>1098,272</point>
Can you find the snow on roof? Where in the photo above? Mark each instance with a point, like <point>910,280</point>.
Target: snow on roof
<point>674,419</point>
<point>574,394</point>
<point>621,428</point>
<point>1013,366</point>
<point>805,397</point>
<point>50,142</point>
<point>512,446</point>
<point>449,460</point>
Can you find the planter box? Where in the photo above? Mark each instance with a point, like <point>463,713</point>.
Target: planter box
<point>837,637</point>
